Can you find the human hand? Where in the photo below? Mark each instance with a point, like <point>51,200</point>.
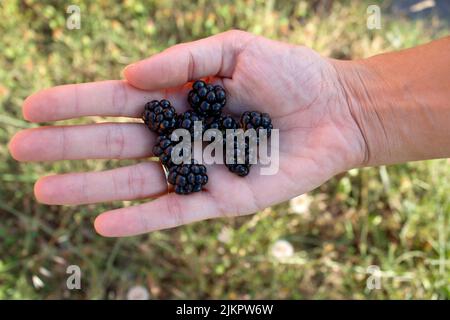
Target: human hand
<point>299,89</point>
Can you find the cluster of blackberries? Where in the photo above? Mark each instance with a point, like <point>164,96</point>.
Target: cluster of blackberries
<point>207,102</point>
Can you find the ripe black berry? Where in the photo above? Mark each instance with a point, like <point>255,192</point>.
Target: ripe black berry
<point>207,99</point>
<point>256,120</point>
<point>233,159</point>
<point>159,116</point>
<point>163,150</point>
<point>240,169</point>
<point>187,121</point>
<point>188,178</point>
<point>222,123</point>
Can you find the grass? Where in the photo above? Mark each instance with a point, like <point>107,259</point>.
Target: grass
<point>394,217</point>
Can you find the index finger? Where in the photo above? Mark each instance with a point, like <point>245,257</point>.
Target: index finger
<point>103,98</point>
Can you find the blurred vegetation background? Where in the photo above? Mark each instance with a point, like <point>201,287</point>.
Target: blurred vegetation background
<point>316,246</point>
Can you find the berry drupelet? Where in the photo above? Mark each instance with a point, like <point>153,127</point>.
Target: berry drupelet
<point>187,178</point>
<point>207,99</point>
<point>256,120</point>
<point>159,116</point>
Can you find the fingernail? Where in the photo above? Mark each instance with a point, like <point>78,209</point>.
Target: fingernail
<point>128,67</point>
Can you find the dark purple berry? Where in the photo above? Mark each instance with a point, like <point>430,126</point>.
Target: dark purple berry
<point>207,99</point>
<point>159,116</point>
<point>163,150</point>
<point>256,120</point>
<point>188,178</point>
<point>187,121</point>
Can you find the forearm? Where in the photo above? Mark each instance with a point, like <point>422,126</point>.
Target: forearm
<point>401,103</point>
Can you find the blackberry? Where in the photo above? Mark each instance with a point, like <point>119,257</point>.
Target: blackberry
<point>212,123</point>
<point>159,116</point>
<point>207,99</point>
<point>187,121</point>
<point>241,169</point>
<point>222,123</point>
<point>188,178</point>
<point>228,122</point>
<point>163,150</point>
<point>256,120</point>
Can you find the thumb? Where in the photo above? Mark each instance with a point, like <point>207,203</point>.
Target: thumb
<point>212,56</point>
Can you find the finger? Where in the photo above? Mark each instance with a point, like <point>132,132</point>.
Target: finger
<point>165,212</point>
<point>105,98</point>
<point>128,183</point>
<point>96,141</point>
<point>213,56</point>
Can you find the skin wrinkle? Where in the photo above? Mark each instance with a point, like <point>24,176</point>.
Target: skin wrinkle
<point>115,184</point>
<point>190,66</point>
<point>131,181</point>
<point>315,100</point>
<point>76,100</point>
<point>367,153</point>
<point>221,66</point>
<point>84,186</point>
<point>119,98</point>
<point>173,207</point>
<point>144,222</point>
<point>409,94</point>
<point>121,141</point>
<point>141,181</point>
<point>63,143</point>
<point>242,47</point>
<point>382,120</point>
<point>350,158</point>
<point>372,101</point>
<point>422,113</point>
<point>108,141</point>
<point>288,83</point>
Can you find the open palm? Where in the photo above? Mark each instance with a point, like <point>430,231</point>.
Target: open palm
<point>298,88</point>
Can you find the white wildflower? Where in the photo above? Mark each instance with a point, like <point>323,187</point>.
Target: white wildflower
<point>225,235</point>
<point>138,293</point>
<point>282,249</point>
<point>37,282</point>
<point>300,204</point>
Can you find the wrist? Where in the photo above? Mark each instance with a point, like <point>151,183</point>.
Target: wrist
<point>399,101</point>
<point>370,99</point>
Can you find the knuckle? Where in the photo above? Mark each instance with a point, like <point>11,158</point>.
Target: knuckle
<point>119,98</point>
<point>84,192</point>
<point>136,182</point>
<point>115,141</point>
<point>174,210</point>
